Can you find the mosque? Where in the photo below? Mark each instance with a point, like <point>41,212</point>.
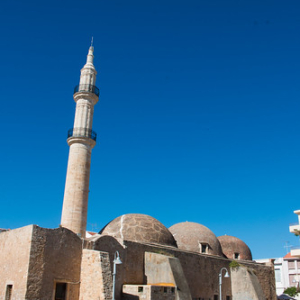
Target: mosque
<point>134,257</point>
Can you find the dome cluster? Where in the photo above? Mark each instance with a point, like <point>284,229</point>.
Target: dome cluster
<point>186,236</point>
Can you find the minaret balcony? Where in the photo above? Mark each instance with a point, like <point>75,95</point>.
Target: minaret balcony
<point>89,88</point>
<point>82,132</point>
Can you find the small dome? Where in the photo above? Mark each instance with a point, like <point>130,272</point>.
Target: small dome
<point>234,248</point>
<point>139,228</point>
<point>196,237</point>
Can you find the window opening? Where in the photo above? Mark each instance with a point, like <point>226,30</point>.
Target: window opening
<point>203,248</point>
<point>61,291</point>
<point>8,292</point>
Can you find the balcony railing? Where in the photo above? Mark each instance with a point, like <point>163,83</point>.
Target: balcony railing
<point>82,132</point>
<point>87,88</point>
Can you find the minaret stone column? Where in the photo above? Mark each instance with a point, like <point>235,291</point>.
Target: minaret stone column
<point>81,140</point>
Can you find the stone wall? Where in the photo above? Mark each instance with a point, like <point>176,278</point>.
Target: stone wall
<point>14,260</point>
<point>161,269</point>
<point>55,256</point>
<point>148,292</point>
<point>200,270</point>
<point>96,276</point>
<point>245,285</point>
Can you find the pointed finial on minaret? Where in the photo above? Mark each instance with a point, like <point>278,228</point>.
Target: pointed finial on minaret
<point>90,56</point>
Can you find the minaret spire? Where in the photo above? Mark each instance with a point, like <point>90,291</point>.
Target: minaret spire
<point>81,139</point>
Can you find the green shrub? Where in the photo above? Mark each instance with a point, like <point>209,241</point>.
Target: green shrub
<point>234,265</point>
<point>291,291</point>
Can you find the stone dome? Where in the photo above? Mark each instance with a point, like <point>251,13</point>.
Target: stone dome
<point>196,237</point>
<point>139,228</point>
<point>234,248</point>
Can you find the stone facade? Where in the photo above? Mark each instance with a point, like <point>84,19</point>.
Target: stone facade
<point>200,270</point>
<point>146,292</point>
<point>162,269</point>
<point>15,248</point>
<point>245,284</point>
<point>96,276</point>
<point>34,259</point>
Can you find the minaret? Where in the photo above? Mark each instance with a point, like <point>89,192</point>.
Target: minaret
<point>81,139</point>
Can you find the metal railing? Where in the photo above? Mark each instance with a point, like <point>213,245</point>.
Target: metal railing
<point>82,132</point>
<point>87,88</point>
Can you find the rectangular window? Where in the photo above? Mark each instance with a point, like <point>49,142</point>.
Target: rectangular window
<point>216,297</point>
<point>8,292</point>
<point>165,289</point>
<point>236,255</point>
<point>227,297</point>
<point>278,275</point>
<point>140,289</point>
<point>291,264</point>
<point>61,291</point>
<point>292,280</point>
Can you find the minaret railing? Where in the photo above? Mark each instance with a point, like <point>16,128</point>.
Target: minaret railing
<point>87,88</point>
<point>82,132</point>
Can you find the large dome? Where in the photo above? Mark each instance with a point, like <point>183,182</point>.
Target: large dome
<point>139,228</point>
<point>196,237</point>
<point>234,248</point>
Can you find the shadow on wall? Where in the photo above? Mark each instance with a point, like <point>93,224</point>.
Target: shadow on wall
<point>129,297</point>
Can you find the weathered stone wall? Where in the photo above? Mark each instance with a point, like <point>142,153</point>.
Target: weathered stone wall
<point>55,256</point>
<point>148,292</point>
<point>14,260</point>
<point>200,270</point>
<point>96,276</point>
<point>111,245</point>
<point>166,269</point>
<point>245,285</point>
<point>136,292</point>
<point>265,275</point>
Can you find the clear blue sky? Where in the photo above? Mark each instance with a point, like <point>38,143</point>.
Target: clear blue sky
<point>198,118</point>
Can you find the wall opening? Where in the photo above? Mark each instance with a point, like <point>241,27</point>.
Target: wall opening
<point>60,291</point>
<point>8,292</point>
<point>236,255</point>
<point>203,248</point>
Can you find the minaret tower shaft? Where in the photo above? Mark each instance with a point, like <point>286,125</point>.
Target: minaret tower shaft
<point>81,139</point>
